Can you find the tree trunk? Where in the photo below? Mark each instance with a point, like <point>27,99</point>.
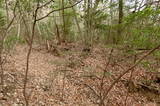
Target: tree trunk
<point>88,20</point>
<point>120,11</point>
<point>63,20</point>
<point>119,32</point>
<point>6,6</point>
<point>76,19</point>
<point>57,33</point>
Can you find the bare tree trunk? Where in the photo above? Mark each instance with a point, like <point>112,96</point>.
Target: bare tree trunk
<point>28,56</point>
<point>40,33</point>
<point>88,22</point>
<point>63,20</point>
<point>91,15</point>
<point>85,22</point>
<point>119,32</point>
<point>111,11</point>
<point>57,33</point>
<point>19,29</point>
<point>120,11</point>
<point>76,20</point>
<point>111,21</point>
<point>1,60</point>
<point>6,6</point>
<point>27,29</point>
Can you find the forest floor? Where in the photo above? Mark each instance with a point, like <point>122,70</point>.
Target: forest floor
<point>72,76</point>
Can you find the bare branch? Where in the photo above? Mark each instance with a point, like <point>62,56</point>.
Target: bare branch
<point>92,89</point>
<point>151,3</point>
<point>45,4</point>
<point>28,57</point>
<point>129,69</point>
<point>14,15</point>
<point>58,10</point>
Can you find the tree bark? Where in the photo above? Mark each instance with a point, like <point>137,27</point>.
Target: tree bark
<point>119,32</point>
<point>63,20</point>
<point>120,11</point>
<point>6,6</point>
<point>76,19</point>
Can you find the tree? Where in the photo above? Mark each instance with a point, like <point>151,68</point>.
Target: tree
<point>120,20</point>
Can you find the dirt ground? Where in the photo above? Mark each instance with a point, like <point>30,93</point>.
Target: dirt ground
<point>71,78</point>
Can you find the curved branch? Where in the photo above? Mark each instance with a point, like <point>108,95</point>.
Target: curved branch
<point>14,15</point>
<point>45,4</point>
<point>128,70</point>
<point>151,3</point>
<point>58,10</point>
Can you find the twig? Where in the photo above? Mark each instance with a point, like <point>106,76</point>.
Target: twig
<point>130,78</point>
<point>151,3</point>
<point>47,3</point>
<point>14,15</point>
<point>58,10</point>
<point>92,90</point>
<point>129,69</point>
<point>101,95</point>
